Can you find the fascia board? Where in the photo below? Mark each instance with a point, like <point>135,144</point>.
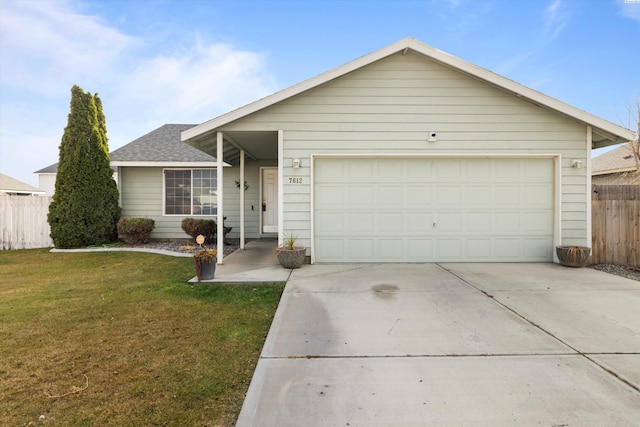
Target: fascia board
<point>167,164</point>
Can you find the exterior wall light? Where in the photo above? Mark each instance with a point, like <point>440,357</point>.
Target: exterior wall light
<point>296,163</point>
<point>577,163</point>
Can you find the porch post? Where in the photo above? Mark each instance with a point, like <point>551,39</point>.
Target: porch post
<point>242,199</point>
<point>219,190</point>
<point>280,187</point>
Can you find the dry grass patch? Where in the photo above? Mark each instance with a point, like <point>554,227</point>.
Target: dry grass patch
<point>120,339</point>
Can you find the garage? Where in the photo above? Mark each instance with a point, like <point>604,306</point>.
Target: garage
<point>421,209</point>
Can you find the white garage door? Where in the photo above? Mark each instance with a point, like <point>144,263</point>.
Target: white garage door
<point>433,210</point>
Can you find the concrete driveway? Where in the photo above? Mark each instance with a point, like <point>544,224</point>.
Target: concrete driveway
<point>450,345</point>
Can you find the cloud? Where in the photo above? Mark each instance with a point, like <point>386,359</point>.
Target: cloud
<point>629,9</point>
<point>555,19</point>
<point>204,81</point>
<point>47,46</point>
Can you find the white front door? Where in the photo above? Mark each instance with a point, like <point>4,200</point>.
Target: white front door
<point>269,200</point>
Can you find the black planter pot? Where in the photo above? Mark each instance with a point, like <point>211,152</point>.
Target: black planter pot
<point>205,270</point>
<point>573,256</point>
<point>291,258</point>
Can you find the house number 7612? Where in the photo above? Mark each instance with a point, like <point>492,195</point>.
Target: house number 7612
<point>295,180</point>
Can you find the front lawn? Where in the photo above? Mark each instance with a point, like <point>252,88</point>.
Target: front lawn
<point>119,338</point>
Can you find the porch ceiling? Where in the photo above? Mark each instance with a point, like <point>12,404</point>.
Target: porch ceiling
<point>258,145</point>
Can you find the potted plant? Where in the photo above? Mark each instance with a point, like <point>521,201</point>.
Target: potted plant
<point>290,255</point>
<point>205,263</point>
<point>573,256</point>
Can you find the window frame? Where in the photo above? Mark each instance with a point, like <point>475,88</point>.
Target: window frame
<point>191,192</point>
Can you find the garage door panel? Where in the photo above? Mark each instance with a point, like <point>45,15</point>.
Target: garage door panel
<point>360,250</point>
<point>449,249</point>
<point>330,223</point>
<point>448,195</point>
<point>506,195</point>
<point>538,248</point>
<point>390,250</point>
<point>507,222</point>
<point>449,222</point>
<point>478,222</point>
<point>360,197</point>
<point>421,171</point>
<point>508,248</point>
<point>390,196</point>
<point>419,223</point>
<point>330,196</point>
<point>419,196</point>
<point>360,222</point>
<point>479,249</point>
<point>429,210</point>
<point>390,222</point>
<point>420,250</point>
<point>360,170</point>
<point>477,196</point>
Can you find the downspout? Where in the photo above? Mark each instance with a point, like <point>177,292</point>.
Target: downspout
<point>219,198</point>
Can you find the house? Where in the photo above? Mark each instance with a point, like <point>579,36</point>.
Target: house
<point>407,154</point>
<point>14,187</point>
<point>161,178</point>
<point>617,166</point>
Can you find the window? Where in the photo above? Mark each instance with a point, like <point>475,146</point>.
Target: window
<point>190,191</point>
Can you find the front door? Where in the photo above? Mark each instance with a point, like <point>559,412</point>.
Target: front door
<point>270,200</point>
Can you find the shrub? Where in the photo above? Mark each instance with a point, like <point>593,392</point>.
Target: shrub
<point>194,227</point>
<point>84,210</point>
<point>135,230</point>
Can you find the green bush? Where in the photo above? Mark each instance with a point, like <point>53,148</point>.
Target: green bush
<point>135,230</point>
<point>194,227</point>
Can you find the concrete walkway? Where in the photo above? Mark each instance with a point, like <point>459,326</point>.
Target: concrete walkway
<point>450,345</point>
<point>257,263</point>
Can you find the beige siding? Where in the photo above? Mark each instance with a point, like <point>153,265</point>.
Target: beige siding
<point>390,106</point>
<point>142,196</point>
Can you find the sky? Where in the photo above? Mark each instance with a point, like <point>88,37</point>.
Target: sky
<point>188,61</point>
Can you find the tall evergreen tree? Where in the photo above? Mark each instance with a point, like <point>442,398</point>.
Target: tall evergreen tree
<point>84,210</point>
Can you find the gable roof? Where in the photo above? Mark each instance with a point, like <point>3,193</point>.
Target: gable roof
<point>605,132</point>
<point>614,161</point>
<point>160,147</point>
<point>13,186</point>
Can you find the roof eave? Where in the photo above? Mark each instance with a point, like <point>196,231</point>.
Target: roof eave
<point>166,164</point>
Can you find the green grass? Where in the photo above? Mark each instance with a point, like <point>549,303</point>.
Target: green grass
<point>149,348</point>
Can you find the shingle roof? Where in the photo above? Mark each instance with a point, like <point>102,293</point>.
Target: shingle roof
<point>49,169</point>
<point>161,145</point>
<point>12,185</point>
<point>618,160</point>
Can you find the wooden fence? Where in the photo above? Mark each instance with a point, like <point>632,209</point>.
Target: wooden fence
<point>23,222</point>
<point>615,218</point>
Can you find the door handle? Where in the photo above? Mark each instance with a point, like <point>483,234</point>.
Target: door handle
<point>264,207</point>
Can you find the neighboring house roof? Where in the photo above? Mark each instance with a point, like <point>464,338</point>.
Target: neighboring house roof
<point>53,169</point>
<point>605,132</point>
<point>49,169</point>
<point>160,147</point>
<point>614,161</point>
<point>13,186</point>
